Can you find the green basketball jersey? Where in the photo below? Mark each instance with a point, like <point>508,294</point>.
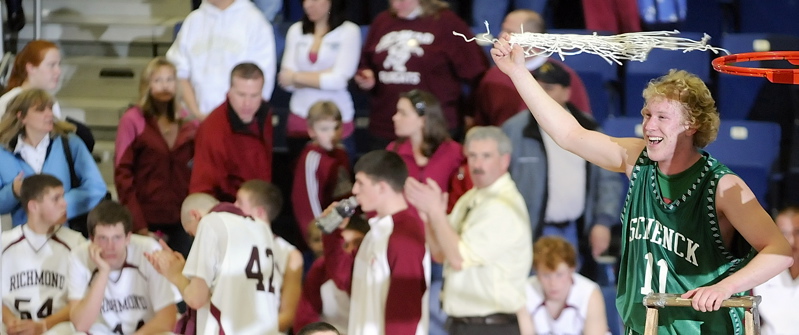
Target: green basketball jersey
<point>674,248</point>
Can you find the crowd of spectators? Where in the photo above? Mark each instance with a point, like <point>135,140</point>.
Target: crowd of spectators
<point>459,183</point>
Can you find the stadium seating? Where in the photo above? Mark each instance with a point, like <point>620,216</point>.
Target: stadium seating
<point>658,63</point>
<point>736,94</point>
<point>599,76</point>
<point>750,149</point>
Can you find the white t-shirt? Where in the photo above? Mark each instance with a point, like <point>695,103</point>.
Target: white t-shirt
<point>572,319</point>
<point>337,60</point>
<point>133,294</point>
<point>13,93</point>
<point>282,251</point>
<point>235,257</point>
<point>212,41</point>
<point>778,309</point>
<point>335,306</point>
<point>35,270</point>
<point>371,279</point>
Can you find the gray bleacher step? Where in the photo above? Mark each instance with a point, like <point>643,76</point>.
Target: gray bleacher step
<point>104,150</point>
<point>101,98</point>
<point>142,8</point>
<point>107,28</point>
<point>124,27</point>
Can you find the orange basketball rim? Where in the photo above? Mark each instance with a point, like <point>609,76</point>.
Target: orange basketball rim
<point>778,76</point>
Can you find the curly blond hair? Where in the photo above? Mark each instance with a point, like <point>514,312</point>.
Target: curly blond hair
<point>550,251</point>
<point>694,97</point>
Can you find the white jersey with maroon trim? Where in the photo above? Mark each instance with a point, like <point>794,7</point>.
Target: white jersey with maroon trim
<point>572,318</point>
<point>35,270</point>
<point>133,294</point>
<point>235,256</point>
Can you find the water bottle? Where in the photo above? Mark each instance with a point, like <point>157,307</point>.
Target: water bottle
<point>344,209</point>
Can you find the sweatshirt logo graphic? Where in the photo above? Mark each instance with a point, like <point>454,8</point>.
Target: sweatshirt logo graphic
<point>401,45</point>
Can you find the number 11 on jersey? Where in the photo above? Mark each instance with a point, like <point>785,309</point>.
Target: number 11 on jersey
<point>663,269</point>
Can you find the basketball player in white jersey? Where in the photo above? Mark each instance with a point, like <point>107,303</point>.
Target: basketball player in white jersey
<point>262,200</point>
<point>229,276</point>
<point>112,288</point>
<point>35,258</point>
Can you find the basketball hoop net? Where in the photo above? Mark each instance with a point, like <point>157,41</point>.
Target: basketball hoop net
<point>614,48</point>
<point>778,76</point>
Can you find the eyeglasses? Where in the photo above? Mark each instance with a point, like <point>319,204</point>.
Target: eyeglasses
<point>415,96</point>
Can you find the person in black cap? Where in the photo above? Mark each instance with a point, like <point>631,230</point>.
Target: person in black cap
<point>565,195</point>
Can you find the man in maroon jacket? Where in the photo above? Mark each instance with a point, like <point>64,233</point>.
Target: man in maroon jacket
<point>234,143</point>
<point>496,100</point>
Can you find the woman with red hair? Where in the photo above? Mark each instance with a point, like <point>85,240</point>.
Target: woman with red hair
<point>38,65</point>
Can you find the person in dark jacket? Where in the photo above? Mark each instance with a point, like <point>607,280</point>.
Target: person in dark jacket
<point>234,143</point>
<point>34,141</point>
<point>154,149</point>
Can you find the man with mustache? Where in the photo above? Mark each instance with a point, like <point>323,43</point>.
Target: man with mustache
<point>485,242</point>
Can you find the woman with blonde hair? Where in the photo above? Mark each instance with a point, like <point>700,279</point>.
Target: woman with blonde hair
<point>38,65</point>
<point>154,149</point>
<point>34,141</point>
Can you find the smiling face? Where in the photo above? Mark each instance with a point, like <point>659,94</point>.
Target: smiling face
<point>114,243</point>
<point>46,75</point>
<point>407,121</point>
<point>665,129</point>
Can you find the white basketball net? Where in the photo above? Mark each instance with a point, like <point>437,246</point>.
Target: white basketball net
<point>632,46</point>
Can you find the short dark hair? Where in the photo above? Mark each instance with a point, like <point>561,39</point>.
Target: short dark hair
<point>109,213</point>
<point>552,73</point>
<point>383,165</point>
<point>34,187</point>
<point>358,223</point>
<point>315,327</point>
<point>246,71</point>
<point>266,195</point>
<point>789,210</point>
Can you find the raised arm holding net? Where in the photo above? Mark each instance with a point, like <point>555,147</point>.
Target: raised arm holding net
<point>614,48</point>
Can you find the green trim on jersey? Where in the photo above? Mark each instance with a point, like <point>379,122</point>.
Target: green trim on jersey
<point>674,248</point>
<point>675,185</point>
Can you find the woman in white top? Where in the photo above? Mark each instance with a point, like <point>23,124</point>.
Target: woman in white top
<point>37,65</point>
<point>560,301</point>
<point>321,55</point>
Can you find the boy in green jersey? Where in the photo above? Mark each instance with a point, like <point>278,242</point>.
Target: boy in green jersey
<point>684,209</point>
